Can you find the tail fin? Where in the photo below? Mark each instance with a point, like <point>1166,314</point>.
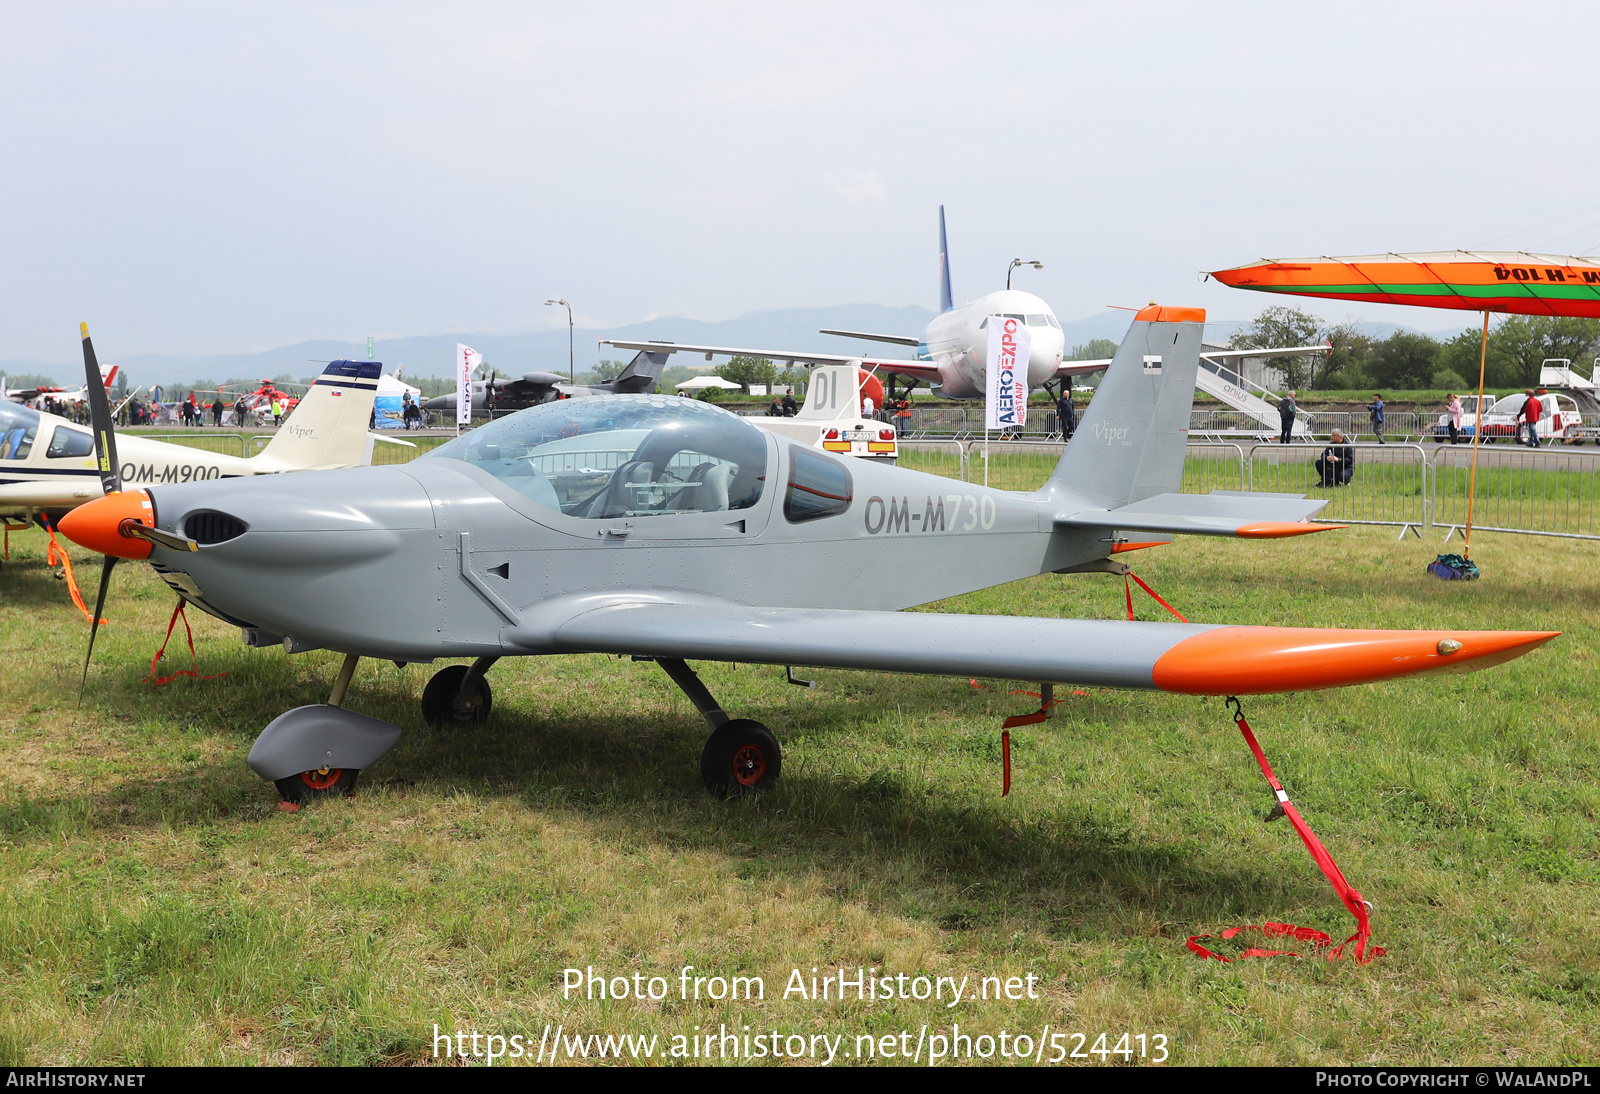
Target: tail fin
<point>1130,444</point>
<point>641,374</point>
<point>946,300</point>
<point>329,426</point>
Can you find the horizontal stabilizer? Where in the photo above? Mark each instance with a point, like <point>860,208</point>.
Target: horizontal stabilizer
<point>1191,659</point>
<point>1219,513</point>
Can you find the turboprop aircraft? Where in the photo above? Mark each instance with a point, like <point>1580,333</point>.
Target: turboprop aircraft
<point>493,397</point>
<point>953,350</point>
<point>48,464</point>
<point>650,526</point>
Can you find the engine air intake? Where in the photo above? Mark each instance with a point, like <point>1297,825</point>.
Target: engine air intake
<point>207,527</point>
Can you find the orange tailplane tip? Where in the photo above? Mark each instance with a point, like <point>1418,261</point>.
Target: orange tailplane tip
<point>97,525</point>
<point>1262,660</point>
<point>1117,549</point>
<point>1278,529</point>
<point>1155,313</point>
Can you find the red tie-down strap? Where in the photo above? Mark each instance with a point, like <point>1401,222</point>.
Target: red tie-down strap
<point>1128,591</point>
<point>1352,900</point>
<point>163,681</point>
<point>58,553</point>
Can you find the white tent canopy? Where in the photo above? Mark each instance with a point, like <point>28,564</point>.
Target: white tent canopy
<point>388,385</point>
<point>699,383</point>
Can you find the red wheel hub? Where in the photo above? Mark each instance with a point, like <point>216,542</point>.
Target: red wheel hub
<point>749,765</point>
<point>321,780</point>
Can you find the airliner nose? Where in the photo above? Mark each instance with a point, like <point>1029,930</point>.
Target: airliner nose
<point>1044,354</point>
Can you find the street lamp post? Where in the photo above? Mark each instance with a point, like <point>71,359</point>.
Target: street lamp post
<point>1015,262</point>
<point>572,371</point>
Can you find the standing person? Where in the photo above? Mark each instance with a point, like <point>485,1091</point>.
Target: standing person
<point>1375,412</point>
<point>1532,411</point>
<point>868,408</point>
<point>902,417</point>
<point>790,407</point>
<point>1452,407</point>
<point>1066,413</point>
<point>1286,410</point>
<point>216,410</point>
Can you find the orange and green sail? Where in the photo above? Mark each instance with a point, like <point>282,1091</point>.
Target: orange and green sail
<point>1519,283</point>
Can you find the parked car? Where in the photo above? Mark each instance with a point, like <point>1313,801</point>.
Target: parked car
<point>1560,415</point>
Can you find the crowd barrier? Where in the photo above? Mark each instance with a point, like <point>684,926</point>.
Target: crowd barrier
<point>1551,492</point>
<point>223,444</point>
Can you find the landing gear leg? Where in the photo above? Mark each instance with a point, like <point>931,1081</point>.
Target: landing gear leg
<point>741,756</point>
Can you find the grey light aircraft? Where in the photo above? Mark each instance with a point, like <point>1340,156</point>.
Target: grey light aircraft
<point>649,526</point>
<point>502,395</point>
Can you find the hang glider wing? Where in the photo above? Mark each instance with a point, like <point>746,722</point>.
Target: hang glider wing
<point>1191,659</point>
<point>925,370</point>
<point>1219,513</point>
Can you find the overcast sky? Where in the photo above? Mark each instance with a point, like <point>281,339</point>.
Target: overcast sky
<point>231,177</point>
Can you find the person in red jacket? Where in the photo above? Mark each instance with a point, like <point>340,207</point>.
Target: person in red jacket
<point>1532,411</point>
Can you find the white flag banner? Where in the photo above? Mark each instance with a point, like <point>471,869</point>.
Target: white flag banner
<point>1006,402</point>
<point>467,359</point>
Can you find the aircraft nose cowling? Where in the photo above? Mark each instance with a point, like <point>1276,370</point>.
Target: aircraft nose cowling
<point>358,499</point>
<point>97,525</point>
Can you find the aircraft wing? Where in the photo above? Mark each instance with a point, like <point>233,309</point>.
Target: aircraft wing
<point>1078,368</point>
<point>57,491</point>
<point>1191,659</point>
<point>923,369</point>
<point>1219,513</point>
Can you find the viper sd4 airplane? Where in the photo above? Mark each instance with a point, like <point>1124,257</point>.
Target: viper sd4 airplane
<point>651,526</point>
<point>48,464</point>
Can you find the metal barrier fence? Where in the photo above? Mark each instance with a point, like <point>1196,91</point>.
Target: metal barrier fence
<point>1542,493</point>
<point>1400,425</point>
<point>1388,483</point>
<point>224,444</point>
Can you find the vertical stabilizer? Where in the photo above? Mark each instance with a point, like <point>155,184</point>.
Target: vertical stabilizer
<point>641,374</point>
<point>1130,444</point>
<point>328,428</point>
<point>946,301</point>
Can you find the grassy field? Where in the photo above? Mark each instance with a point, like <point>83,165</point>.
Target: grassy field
<point>160,910</point>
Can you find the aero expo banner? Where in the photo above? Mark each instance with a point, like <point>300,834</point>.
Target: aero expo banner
<point>467,359</point>
<point>1006,403</point>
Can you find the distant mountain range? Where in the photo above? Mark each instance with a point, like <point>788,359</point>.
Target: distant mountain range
<point>430,355</point>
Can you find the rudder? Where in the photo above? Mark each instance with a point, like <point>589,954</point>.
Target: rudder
<point>329,426</point>
<point>1130,444</point>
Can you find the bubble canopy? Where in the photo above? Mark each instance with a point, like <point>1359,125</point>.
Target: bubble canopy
<point>621,456</point>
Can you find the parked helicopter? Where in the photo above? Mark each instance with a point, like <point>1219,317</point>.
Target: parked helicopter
<point>649,526</point>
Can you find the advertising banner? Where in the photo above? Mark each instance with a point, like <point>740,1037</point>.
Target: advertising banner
<point>467,359</point>
<point>1006,397</point>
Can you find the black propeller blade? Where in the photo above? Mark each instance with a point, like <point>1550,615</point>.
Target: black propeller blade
<point>105,430</point>
<point>94,622</point>
<point>105,451</point>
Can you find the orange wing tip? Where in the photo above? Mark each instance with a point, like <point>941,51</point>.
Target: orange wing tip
<point>1155,313</point>
<point>1279,529</point>
<point>1117,549</point>
<point>1262,660</point>
<point>97,525</point>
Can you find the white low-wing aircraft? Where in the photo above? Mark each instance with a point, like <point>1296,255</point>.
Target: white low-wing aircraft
<point>48,466</point>
<point>953,349</point>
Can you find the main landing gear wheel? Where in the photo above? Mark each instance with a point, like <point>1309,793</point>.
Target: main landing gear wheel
<point>443,704</point>
<point>327,783</point>
<point>741,757</point>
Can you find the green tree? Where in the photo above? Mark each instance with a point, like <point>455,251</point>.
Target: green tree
<point>1281,327</point>
<point>605,371</point>
<point>745,371</point>
<point>1097,350</point>
<point>1347,362</point>
<point>1521,343</point>
<point>1404,360</point>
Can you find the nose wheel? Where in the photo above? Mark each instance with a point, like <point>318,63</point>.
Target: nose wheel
<point>452,699</point>
<point>327,782</point>
<point>741,757</point>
